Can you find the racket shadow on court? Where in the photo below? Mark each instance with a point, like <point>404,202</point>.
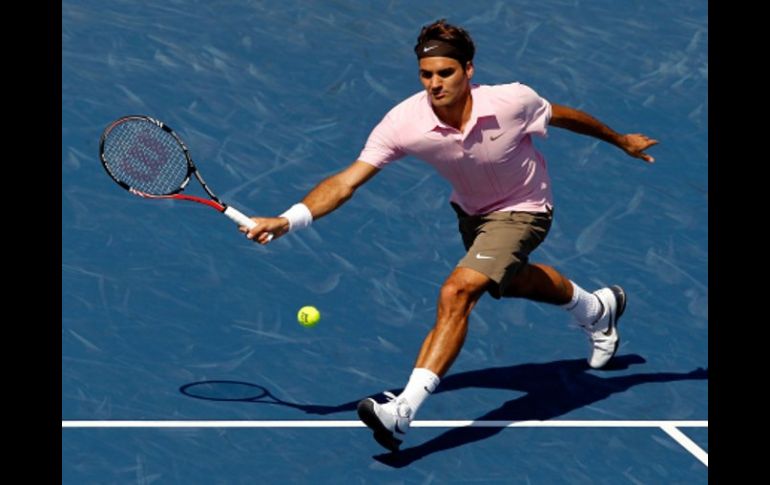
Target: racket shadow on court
<point>552,390</point>
<point>238,391</point>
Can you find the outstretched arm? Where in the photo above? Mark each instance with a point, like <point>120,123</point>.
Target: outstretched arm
<point>634,144</point>
<point>325,197</point>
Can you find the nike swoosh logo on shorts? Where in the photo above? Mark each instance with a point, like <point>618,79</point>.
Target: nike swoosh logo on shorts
<point>481,256</point>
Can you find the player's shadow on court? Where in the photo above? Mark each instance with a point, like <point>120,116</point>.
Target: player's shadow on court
<point>552,390</point>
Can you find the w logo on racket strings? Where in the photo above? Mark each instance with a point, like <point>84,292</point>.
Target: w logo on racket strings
<point>155,163</point>
<point>145,160</point>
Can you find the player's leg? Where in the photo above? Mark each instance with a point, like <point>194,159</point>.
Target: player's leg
<point>596,313</point>
<point>459,294</point>
<point>507,241</point>
<point>457,297</point>
<point>539,282</point>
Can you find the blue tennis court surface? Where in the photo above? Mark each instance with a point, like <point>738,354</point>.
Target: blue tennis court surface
<point>162,302</point>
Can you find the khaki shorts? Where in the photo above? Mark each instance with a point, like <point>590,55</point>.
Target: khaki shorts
<point>499,243</point>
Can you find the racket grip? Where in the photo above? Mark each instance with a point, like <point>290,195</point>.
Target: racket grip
<point>242,220</point>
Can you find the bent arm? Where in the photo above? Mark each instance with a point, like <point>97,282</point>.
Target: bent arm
<point>581,122</point>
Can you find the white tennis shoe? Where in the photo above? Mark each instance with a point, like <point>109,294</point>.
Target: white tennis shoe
<point>386,420</point>
<point>603,333</point>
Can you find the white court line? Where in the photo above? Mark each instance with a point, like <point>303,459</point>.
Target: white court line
<point>687,443</point>
<point>359,424</point>
<point>669,427</point>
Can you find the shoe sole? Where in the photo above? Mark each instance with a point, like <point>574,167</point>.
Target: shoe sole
<point>620,297</point>
<point>382,435</point>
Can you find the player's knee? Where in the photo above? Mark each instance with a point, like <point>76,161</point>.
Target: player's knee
<point>453,291</point>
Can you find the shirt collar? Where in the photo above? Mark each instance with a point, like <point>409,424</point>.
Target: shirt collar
<point>481,108</point>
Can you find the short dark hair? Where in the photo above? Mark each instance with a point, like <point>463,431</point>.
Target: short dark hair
<point>457,36</point>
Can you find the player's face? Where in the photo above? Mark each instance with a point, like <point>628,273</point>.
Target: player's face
<point>445,80</point>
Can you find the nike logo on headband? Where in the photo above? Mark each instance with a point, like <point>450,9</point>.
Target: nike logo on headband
<point>440,48</point>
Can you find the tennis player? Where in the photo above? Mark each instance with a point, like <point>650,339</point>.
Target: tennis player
<point>478,137</point>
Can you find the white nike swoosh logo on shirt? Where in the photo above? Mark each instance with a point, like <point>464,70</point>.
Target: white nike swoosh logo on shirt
<point>481,256</point>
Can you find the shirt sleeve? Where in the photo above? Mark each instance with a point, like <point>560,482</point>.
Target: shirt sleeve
<point>536,112</point>
<point>382,147</point>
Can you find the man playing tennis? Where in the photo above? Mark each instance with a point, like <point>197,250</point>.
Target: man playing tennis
<point>479,138</point>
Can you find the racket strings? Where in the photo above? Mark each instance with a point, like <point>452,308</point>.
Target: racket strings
<point>145,157</point>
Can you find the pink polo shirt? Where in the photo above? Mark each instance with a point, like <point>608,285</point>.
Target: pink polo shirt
<point>493,165</point>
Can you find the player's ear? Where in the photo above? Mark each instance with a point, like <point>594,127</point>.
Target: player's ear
<point>469,69</point>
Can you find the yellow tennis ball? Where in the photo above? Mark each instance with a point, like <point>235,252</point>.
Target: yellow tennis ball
<point>308,316</point>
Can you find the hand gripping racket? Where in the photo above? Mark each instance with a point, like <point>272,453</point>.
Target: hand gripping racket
<point>147,158</point>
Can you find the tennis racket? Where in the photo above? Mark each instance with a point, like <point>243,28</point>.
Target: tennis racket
<point>147,158</point>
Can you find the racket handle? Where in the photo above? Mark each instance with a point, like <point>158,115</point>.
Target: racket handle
<point>242,220</point>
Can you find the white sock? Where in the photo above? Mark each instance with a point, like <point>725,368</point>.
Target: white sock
<point>584,306</point>
<point>421,384</point>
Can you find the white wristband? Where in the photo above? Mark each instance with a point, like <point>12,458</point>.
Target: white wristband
<point>299,216</point>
